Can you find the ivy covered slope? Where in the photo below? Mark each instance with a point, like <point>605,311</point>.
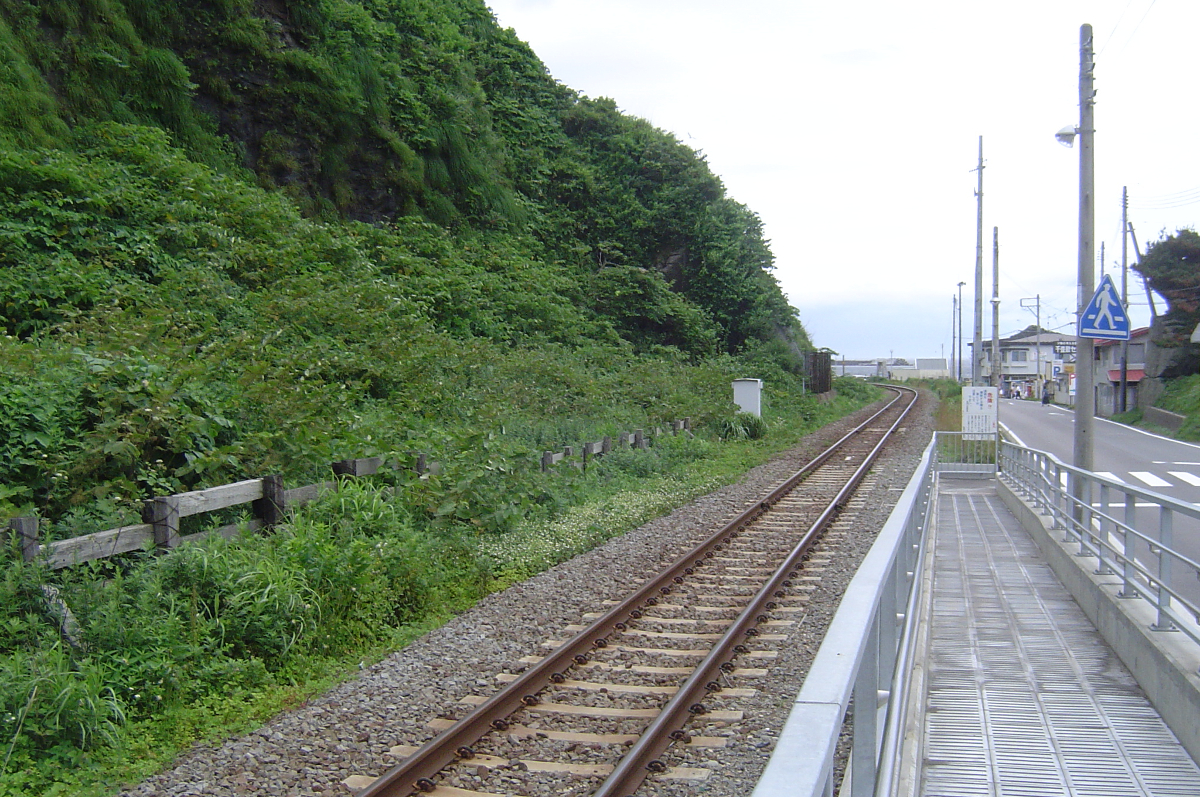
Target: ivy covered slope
<point>249,236</point>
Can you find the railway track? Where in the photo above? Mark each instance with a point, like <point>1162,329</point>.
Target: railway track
<point>655,678</point>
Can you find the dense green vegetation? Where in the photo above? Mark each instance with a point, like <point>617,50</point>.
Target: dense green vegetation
<point>241,237</point>
<point>1182,396</point>
<point>1171,266</point>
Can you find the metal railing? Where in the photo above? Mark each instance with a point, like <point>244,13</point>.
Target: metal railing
<point>1129,530</point>
<point>866,654</point>
<point>965,452</point>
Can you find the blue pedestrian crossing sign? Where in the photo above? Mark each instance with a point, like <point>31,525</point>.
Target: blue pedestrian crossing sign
<point>1105,317</point>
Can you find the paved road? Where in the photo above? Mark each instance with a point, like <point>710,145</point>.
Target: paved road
<point>1129,455</point>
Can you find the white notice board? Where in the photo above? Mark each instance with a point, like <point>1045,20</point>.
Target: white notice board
<point>980,416</point>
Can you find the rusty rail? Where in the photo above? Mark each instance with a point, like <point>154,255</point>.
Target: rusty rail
<point>417,772</point>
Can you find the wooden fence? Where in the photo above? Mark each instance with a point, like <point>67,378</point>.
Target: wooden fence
<point>269,501</point>
<point>635,440</point>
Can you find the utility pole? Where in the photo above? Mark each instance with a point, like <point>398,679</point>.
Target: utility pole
<point>1124,296</point>
<point>996,379</point>
<point>1037,308</point>
<point>1085,395</point>
<point>953,335</point>
<point>1145,280</point>
<point>977,350</point>
<point>960,337</point>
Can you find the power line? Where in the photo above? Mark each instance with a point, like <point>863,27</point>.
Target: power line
<point>1179,199</point>
<point>1114,30</point>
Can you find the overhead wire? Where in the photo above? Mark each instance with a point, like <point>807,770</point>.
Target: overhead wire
<point>1113,32</point>
<point>1168,201</point>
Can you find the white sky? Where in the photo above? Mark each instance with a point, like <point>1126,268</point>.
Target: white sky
<point>852,127</point>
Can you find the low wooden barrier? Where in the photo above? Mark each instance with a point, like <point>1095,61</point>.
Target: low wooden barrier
<point>635,439</point>
<point>161,515</point>
<point>160,527</point>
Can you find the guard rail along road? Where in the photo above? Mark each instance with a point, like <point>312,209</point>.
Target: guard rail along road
<point>1109,543</point>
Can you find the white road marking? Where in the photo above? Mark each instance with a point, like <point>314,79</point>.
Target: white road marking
<point>1183,475</point>
<point>1149,478</point>
<point>1112,476</point>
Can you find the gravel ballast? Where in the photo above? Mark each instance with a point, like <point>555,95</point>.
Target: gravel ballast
<point>350,730</point>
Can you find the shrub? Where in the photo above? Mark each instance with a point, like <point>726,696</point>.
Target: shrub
<point>743,426</point>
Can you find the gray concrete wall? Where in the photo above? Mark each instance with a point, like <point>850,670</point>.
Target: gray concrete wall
<point>1165,664</point>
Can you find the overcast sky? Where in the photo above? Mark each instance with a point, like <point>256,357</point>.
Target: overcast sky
<point>852,128</point>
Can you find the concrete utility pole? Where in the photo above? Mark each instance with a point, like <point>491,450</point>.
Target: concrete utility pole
<point>953,334</point>
<point>977,349</point>
<point>960,337</point>
<point>996,307</point>
<point>1085,394</point>
<point>1037,314</point>
<point>1145,280</point>
<point>1121,407</point>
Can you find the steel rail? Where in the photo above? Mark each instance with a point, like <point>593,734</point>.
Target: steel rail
<point>417,771</point>
<point>642,758</point>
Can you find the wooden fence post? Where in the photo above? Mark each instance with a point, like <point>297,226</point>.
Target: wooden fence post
<point>272,506</point>
<point>162,512</point>
<point>639,439</point>
<point>606,445</point>
<point>26,531</point>
<point>547,458</point>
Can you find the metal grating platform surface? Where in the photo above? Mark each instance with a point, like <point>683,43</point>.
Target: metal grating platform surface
<point>1024,697</point>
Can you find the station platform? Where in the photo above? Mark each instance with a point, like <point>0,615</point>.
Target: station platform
<point>1021,695</point>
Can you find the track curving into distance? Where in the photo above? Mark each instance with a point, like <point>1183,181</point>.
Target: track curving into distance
<point>597,714</point>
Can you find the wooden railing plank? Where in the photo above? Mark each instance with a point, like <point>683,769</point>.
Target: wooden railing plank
<point>100,545</point>
<point>215,498</point>
<point>310,492</point>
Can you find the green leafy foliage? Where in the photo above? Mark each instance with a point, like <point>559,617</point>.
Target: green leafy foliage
<point>743,426</point>
<point>1172,264</point>
<point>241,238</point>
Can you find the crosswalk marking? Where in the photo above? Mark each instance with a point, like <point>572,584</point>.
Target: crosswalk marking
<point>1149,478</point>
<point>1183,475</point>
<point>1112,476</point>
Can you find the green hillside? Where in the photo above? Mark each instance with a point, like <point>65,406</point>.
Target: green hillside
<point>249,214</point>
<point>251,237</point>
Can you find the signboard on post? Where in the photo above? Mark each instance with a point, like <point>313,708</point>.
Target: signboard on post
<point>980,413</point>
<point>1105,317</point>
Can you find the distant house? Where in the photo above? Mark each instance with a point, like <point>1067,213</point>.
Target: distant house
<point>1031,358</point>
<point>1108,372</point>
